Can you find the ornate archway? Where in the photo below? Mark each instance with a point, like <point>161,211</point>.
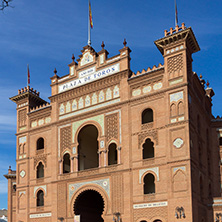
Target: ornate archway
<point>90,206</point>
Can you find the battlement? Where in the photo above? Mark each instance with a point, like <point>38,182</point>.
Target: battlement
<point>28,89</point>
<point>177,29</point>
<point>149,70</point>
<point>42,106</point>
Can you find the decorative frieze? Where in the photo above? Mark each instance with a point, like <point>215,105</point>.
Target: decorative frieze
<point>145,89</point>
<point>41,122</point>
<point>90,100</point>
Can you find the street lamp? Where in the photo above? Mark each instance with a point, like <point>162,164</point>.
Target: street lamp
<point>116,217</point>
<point>61,219</point>
<point>179,213</point>
<point>218,217</point>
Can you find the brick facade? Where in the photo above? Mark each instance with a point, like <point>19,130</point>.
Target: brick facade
<point>144,145</point>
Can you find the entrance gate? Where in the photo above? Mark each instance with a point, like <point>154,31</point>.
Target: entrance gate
<point>89,205</point>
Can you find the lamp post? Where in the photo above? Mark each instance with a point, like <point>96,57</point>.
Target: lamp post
<point>218,217</point>
<point>179,213</point>
<point>116,217</point>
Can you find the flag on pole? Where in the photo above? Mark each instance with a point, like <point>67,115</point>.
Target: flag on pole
<point>90,15</point>
<point>28,74</point>
<point>176,14</point>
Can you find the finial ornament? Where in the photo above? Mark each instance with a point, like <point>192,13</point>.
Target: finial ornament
<point>55,71</point>
<point>103,45</point>
<point>201,76</point>
<point>124,43</point>
<point>73,57</point>
<point>208,83</point>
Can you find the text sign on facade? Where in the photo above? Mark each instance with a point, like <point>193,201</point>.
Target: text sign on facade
<point>149,205</point>
<point>89,77</point>
<point>87,72</point>
<point>77,218</point>
<point>40,215</point>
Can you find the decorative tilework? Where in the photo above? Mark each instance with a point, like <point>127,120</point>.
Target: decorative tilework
<point>94,99</point>
<point>158,85</point>
<point>136,92</point>
<point>147,89</point>
<point>74,105</point>
<point>81,103</point>
<point>116,92</point>
<point>105,184</point>
<point>41,122</point>
<point>176,96</point>
<point>178,143</point>
<point>108,94</point>
<point>179,168</point>
<point>22,139</point>
<point>99,119</point>
<point>101,96</point>
<point>61,109</point>
<point>87,101</point>
<point>154,170</point>
<point>68,107</point>
<point>90,108</point>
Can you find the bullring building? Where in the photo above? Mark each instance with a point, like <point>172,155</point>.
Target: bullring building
<point>113,145</point>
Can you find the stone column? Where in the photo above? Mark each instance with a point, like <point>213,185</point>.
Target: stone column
<point>60,166</point>
<point>119,155</point>
<point>72,164</point>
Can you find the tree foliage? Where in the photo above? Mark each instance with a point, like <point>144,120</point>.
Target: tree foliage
<point>4,4</point>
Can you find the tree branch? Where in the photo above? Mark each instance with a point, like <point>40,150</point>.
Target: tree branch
<point>4,4</point>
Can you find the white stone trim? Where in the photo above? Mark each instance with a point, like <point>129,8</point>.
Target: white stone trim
<point>38,187</point>
<point>155,170</point>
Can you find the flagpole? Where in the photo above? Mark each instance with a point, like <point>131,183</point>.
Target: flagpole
<point>176,13</point>
<point>28,75</point>
<point>89,28</point>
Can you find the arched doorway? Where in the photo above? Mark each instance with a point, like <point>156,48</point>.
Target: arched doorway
<point>88,148</point>
<point>89,205</point>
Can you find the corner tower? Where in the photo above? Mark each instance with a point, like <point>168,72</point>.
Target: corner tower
<point>177,48</point>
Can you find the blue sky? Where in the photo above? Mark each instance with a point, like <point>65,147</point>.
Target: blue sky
<point>46,33</point>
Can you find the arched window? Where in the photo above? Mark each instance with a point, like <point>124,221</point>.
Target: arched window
<point>88,157</point>
<point>147,116</point>
<point>40,170</point>
<point>40,198</point>
<point>66,163</point>
<point>148,149</point>
<point>112,154</point>
<point>180,108</point>
<point>143,221</point>
<point>149,184</point>
<point>173,111</point>
<point>220,141</point>
<point>40,143</point>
